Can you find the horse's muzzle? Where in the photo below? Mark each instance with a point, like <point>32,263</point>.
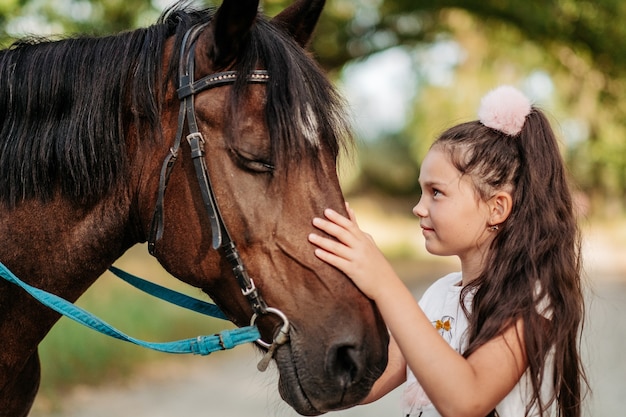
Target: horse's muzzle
<point>337,380</point>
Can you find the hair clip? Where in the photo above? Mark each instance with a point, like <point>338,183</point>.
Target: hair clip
<point>505,109</point>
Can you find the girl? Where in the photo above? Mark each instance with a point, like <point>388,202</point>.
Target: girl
<point>494,193</point>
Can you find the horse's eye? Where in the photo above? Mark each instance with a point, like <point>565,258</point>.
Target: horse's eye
<point>253,163</point>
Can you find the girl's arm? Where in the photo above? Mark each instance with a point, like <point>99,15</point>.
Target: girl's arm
<point>394,375</point>
<point>457,386</point>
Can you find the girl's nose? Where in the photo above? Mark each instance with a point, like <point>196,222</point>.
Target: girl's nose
<point>419,209</point>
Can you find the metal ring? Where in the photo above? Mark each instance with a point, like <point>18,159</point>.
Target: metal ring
<point>284,329</point>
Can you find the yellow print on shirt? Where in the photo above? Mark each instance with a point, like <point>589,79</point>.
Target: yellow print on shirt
<point>444,326</point>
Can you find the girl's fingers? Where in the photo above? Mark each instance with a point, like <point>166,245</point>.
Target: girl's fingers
<point>330,252</point>
<point>349,223</point>
<point>328,227</point>
<point>329,245</point>
<point>351,213</point>
<point>345,230</point>
<point>336,226</point>
<point>337,218</point>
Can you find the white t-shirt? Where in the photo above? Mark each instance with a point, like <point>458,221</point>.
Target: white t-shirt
<point>442,305</point>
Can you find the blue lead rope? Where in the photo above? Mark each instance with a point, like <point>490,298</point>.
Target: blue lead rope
<point>201,345</point>
<point>170,296</point>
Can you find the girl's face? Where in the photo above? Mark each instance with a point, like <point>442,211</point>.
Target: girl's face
<point>454,220</point>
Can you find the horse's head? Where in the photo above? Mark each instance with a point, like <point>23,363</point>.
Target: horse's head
<point>270,151</point>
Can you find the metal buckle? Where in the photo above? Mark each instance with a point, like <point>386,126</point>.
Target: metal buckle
<point>249,290</point>
<point>195,135</point>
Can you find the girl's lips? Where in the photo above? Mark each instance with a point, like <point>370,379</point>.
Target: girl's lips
<point>427,231</point>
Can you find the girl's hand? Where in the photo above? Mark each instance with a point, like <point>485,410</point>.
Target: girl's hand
<point>354,252</point>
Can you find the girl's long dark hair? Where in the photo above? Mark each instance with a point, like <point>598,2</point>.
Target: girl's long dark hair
<point>534,261</point>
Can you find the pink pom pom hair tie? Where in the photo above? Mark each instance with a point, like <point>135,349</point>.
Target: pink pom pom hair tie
<point>505,109</point>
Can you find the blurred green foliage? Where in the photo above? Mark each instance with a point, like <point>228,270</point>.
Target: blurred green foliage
<point>578,44</point>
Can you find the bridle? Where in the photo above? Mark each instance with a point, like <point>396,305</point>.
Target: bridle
<point>221,239</point>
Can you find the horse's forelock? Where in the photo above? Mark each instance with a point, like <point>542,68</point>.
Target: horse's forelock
<point>304,111</point>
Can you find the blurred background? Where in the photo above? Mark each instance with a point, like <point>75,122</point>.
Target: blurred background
<point>408,69</point>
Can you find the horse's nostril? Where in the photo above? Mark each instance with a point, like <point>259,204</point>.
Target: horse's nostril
<point>345,364</point>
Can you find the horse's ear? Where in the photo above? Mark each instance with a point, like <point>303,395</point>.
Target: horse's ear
<point>233,21</point>
<point>300,19</point>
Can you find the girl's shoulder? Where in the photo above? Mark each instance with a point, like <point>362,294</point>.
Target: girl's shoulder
<point>452,281</point>
<point>441,287</point>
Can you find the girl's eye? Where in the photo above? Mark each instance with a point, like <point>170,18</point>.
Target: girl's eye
<point>436,192</point>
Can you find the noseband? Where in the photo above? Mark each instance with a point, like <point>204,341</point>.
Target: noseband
<point>221,239</point>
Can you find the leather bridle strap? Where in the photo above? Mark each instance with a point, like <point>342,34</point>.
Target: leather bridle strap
<point>157,225</point>
<point>221,239</point>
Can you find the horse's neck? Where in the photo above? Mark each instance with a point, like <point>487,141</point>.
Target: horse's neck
<point>58,247</point>
<point>56,244</point>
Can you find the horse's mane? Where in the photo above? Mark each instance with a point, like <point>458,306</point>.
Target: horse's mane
<point>65,105</point>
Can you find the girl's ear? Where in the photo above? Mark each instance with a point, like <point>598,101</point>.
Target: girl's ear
<point>500,206</point>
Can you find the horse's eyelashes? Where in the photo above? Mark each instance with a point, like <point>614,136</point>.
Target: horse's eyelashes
<point>268,166</point>
<point>260,166</point>
<point>254,164</point>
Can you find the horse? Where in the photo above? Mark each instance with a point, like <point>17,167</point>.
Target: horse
<point>94,159</point>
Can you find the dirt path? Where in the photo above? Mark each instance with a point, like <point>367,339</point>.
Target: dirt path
<point>225,384</point>
<point>228,384</point>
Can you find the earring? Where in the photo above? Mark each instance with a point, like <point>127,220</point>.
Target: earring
<point>494,228</point>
